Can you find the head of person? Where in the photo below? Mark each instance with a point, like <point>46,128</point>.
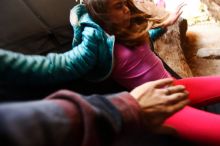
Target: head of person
<point>120,18</point>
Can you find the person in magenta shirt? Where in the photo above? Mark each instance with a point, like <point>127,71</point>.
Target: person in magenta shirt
<point>136,64</point>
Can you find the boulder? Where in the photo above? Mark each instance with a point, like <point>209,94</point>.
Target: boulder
<point>170,48</point>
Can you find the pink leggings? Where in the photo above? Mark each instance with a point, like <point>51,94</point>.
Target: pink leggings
<point>194,124</point>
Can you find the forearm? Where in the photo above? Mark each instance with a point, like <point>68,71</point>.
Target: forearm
<point>129,109</point>
<point>39,123</point>
<point>54,68</point>
<point>104,117</point>
<point>67,118</point>
<point>18,68</point>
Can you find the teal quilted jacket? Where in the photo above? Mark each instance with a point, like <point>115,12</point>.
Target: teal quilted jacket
<point>90,58</point>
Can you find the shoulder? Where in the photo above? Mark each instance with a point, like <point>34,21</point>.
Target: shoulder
<point>122,52</point>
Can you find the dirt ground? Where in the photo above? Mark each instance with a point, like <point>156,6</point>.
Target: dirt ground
<point>202,36</point>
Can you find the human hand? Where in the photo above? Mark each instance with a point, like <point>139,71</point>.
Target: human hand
<point>159,100</point>
<point>174,16</point>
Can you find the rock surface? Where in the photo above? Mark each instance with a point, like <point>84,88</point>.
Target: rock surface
<point>203,36</point>
<point>192,51</point>
<point>213,7</point>
<point>210,53</point>
<point>169,47</point>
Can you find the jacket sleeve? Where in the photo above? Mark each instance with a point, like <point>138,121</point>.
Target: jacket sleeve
<point>67,118</point>
<point>104,117</point>
<point>155,33</point>
<point>37,123</point>
<point>53,68</point>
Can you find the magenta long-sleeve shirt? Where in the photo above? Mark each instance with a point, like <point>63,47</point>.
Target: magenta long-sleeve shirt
<point>133,67</point>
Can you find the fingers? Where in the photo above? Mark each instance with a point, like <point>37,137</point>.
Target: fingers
<point>155,116</point>
<point>176,97</point>
<point>181,5</point>
<point>179,8</point>
<point>173,94</point>
<point>162,82</point>
<point>178,11</point>
<point>154,84</point>
<point>174,89</point>
<point>178,14</point>
<point>176,107</point>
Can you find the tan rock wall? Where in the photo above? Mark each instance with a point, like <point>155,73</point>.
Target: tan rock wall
<point>170,48</point>
<point>213,7</point>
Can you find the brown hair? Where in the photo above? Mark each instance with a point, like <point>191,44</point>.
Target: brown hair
<point>137,32</point>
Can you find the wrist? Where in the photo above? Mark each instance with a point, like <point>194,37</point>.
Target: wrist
<point>129,109</point>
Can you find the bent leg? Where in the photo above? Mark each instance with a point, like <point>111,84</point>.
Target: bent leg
<point>202,90</point>
<point>196,125</point>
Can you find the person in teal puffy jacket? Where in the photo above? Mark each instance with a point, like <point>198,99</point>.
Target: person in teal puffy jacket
<point>90,58</point>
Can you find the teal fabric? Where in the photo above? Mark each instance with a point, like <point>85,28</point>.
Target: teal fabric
<point>155,33</point>
<point>90,57</point>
